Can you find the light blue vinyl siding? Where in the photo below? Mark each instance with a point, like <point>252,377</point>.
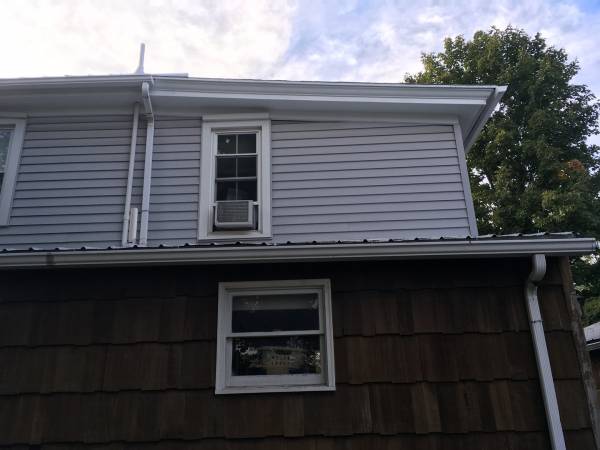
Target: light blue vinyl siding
<point>337,181</point>
<point>330,181</point>
<point>71,182</point>
<point>175,182</point>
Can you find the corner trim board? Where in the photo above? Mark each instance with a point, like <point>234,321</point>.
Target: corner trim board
<point>464,176</point>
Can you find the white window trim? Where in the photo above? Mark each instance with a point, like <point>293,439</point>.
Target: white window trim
<point>207,174</point>
<point>13,158</point>
<point>225,383</point>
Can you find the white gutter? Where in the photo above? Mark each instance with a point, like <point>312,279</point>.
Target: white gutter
<point>215,254</point>
<point>538,271</point>
<point>149,114</point>
<point>126,213</point>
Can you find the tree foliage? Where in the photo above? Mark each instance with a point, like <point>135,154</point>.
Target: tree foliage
<point>531,168</point>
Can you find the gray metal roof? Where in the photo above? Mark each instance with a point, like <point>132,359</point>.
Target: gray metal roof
<point>489,237</point>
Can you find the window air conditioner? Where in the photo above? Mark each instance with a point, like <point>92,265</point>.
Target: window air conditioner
<point>234,215</point>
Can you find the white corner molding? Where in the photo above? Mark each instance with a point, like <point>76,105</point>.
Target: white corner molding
<point>11,169</point>
<point>464,177</point>
<point>542,359</point>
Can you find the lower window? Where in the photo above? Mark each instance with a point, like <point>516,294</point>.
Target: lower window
<point>275,336</point>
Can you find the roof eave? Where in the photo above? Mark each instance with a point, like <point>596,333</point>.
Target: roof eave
<point>298,253</point>
<point>482,119</point>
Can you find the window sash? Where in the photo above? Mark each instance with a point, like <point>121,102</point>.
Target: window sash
<point>229,383</point>
<point>276,380</point>
<point>217,155</point>
<point>236,178</point>
<point>248,292</point>
<point>268,334</point>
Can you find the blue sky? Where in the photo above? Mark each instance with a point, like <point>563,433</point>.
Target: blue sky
<point>346,40</point>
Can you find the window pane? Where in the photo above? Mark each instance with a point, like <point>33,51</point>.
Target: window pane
<point>225,167</point>
<point>246,143</point>
<point>246,190</point>
<point>292,312</point>
<point>226,190</point>
<point>276,355</point>
<point>226,143</point>
<point>4,143</point>
<point>246,166</point>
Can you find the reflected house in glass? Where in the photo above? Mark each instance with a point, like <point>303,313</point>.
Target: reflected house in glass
<point>341,297</point>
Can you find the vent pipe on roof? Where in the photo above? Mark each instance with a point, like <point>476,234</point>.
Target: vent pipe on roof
<point>140,67</point>
<point>538,271</point>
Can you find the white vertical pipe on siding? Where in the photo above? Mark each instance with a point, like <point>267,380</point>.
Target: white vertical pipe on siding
<point>126,213</point>
<point>147,182</point>
<point>538,271</point>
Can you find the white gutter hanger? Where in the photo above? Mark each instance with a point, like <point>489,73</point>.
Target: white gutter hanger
<point>538,271</point>
<point>149,116</point>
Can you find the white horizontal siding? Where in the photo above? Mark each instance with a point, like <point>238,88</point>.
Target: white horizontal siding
<point>336,181</point>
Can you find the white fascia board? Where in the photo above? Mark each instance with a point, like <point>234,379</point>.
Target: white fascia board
<point>320,98</point>
<point>72,82</point>
<point>315,88</point>
<point>299,253</point>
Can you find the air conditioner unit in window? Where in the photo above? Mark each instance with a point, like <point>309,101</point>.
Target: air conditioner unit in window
<point>234,215</point>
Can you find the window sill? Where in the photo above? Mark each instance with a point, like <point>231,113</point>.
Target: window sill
<point>271,389</point>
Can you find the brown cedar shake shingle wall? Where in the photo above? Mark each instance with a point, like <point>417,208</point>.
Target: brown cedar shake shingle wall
<point>429,355</point>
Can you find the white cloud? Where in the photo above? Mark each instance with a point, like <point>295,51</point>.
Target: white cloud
<point>213,39</point>
<point>349,40</point>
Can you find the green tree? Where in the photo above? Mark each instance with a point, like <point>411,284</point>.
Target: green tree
<point>531,168</point>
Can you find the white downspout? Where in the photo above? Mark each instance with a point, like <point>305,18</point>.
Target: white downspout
<point>127,212</point>
<point>149,113</point>
<point>538,271</point>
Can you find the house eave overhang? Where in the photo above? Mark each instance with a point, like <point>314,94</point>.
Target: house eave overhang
<point>245,254</point>
<point>469,105</point>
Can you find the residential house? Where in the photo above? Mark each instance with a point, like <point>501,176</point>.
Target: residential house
<point>235,264</point>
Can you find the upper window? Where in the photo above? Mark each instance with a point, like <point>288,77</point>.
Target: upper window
<point>12,132</point>
<point>235,195</point>
<point>274,336</point>
<point>236,177</point>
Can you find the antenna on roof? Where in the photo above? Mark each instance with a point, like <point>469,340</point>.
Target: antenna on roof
<point>140,67</point>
